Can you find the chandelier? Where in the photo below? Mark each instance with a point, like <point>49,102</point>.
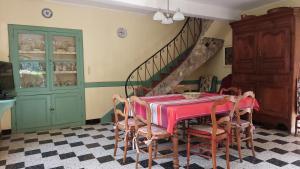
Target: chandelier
<point>167,18</point>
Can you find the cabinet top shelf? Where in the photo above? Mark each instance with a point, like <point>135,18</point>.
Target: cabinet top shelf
<point>64,53</point>
<point>43,52</point>
<point>65,72</point>
<point>26,72</point>
<point>32,52</point>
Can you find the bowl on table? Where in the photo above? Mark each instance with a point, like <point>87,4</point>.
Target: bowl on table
<point>191,95</point>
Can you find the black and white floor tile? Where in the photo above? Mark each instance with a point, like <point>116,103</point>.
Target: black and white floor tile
<point>91,147</point>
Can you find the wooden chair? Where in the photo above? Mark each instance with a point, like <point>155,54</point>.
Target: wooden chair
<point>127,125</point>
<point>219,130</point>
<point>151,132</point>
<point>296,125</point>
<point>231,91</point>
<point>243,129</point>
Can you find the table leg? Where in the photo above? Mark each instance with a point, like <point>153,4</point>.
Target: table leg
<point>175,149</point>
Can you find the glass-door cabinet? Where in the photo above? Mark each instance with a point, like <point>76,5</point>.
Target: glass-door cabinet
<point>48,75</point>
<point>46,61</point>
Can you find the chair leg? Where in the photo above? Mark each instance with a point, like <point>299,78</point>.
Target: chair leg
<point>116,141</point>
<point>227,152</point>
<point>214,153</point>
<point>248,135</point>
<point>125,148</point>
<point>188,149</point>
<point>238,140</point>
<point>150,156</point>
<point>184,129</point>
<point>137,152</point>
<point>252,144</point>
<point>155,149</point>
<point>232,136</point>
<point>296,127</point>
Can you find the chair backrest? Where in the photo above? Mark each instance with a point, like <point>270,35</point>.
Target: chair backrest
<point>226,82</point>
<point>208,83</point>
<point>178,89</point>
<point>231,91</point>
<point>224,121</point>
<point>250,95</point>
<point>138,117</point>
<point>120,111</point>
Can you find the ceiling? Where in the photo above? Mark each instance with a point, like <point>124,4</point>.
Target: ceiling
<point>211,9</point>
<point>235,4</point>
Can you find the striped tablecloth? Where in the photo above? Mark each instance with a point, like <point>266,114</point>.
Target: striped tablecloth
<point>167,110</point>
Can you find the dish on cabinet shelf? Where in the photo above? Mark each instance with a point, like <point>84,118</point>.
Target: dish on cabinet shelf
<point>65,67</point>
<point>71,49</point>
<point>60,50</point>
<point>32,66</point>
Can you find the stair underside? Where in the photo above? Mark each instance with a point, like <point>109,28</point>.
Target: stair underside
<point>204,49</point>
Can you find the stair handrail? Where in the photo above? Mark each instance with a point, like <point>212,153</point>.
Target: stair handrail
<point>194,37</point>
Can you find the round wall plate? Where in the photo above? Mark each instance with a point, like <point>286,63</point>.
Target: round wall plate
<point>121,32</point>
<point>47,13</point>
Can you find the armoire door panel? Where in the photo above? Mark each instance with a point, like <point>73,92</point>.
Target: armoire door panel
<point>244,53</point>
<point>274,50</point>
<point>273,100</point>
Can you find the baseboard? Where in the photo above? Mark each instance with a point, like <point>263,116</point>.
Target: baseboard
<point>6,132</point>
<point>93,121</point>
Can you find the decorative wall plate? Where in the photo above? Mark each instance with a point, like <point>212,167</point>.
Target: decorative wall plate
<point>121,32</point>
<point>47,13</point>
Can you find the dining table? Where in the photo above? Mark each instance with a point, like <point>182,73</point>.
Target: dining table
<point>168,110</point>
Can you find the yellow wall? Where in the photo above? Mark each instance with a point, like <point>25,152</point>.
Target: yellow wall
<point>107,57</point>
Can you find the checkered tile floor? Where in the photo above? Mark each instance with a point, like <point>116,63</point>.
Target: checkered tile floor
<point>91,146</point>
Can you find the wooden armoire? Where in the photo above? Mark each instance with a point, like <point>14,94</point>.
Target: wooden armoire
<point>266,52</point>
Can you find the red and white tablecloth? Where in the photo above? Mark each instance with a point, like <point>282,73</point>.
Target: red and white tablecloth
<point>167,110</point>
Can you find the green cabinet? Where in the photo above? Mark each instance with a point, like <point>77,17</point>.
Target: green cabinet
<point>48,75</point>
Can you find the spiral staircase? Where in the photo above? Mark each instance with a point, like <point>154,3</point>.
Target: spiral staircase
<point>180,57</point>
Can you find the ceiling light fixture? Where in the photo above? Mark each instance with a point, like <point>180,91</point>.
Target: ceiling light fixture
<point>167,18</point>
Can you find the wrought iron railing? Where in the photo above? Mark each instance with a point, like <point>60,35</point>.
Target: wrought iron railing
<point>148,74</point>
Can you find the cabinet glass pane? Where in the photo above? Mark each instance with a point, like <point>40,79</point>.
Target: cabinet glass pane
<point>64,58</point>
<point>32,59</point>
